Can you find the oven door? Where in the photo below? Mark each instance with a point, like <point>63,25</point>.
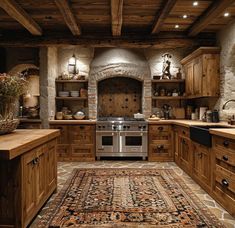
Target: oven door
<point>133,142</point>
<point>106,143</point>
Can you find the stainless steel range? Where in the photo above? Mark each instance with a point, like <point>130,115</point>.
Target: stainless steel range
<point>121,137</point>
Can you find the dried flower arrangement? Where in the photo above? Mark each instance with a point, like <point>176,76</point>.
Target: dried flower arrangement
<point>11,87</point>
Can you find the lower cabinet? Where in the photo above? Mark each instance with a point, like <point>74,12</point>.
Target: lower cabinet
<point>223,167</point>
<point>160,143</point>
<point>39,173</point>
<point>26,182</point>
<point>76,142</point>
<point>201,165</point>
<point>183,152</point>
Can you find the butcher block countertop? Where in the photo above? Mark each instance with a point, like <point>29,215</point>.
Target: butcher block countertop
<point>72,122</point>
<point>20,141</point>
<point>227,133</point>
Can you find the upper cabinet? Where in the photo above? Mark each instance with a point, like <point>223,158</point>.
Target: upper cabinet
<point>202,75</point>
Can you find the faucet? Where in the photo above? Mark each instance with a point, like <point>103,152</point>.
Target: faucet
<point>227,103</point>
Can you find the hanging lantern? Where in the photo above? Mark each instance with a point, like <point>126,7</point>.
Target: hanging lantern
<point>72,65</point>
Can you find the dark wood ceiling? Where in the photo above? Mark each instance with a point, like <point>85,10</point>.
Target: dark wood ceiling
<point>113,18</point>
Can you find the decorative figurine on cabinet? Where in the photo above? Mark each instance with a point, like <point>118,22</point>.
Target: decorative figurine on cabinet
<point>166,66</point>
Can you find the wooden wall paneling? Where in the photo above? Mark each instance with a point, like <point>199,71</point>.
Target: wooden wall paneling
<point>119,97</point>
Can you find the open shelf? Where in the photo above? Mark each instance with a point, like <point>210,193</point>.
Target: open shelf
<point>71,81</point>
<point>71,98</point>
<point>169,98</point>
<point>168,80</point>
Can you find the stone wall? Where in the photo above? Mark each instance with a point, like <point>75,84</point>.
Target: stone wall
<point>226,40</point>
<point>117,62</point>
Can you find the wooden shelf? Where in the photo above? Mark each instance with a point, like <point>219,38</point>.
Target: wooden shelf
<point>169,98</point>
<point>71,81</point>
<point>168,81</point>
<point>71,98</point>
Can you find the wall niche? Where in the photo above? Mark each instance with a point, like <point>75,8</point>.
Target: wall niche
<point>119,96</point>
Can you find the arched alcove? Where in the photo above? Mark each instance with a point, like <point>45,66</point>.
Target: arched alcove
<point>116,62</point>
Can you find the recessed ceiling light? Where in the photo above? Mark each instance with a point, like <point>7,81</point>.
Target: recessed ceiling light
<point>195,3</point>
<point>177,26</point>
<point>185,16</point>
<point>226,14</point>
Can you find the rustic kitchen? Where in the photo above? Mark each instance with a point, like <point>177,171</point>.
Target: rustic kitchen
<point>117,113</point>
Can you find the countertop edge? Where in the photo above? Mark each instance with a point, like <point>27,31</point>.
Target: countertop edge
<point>9,154</point>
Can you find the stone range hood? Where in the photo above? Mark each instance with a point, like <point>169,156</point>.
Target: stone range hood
<point>115,62</point>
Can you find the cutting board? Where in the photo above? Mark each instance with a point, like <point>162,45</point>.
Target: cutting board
<point>178,113</point>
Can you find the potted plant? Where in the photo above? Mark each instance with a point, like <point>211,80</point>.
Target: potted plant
<point>11,87</point>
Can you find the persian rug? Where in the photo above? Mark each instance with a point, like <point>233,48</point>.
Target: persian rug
<point>127,198</point>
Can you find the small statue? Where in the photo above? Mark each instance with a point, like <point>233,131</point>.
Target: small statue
<point>178,74</point>
<point>166,66</point>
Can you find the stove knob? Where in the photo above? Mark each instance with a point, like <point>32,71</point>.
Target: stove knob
<point>114,127</point>
<point>128,127</point>
<point>144,127</point>
<point>140,126</point>
<point>124,127</point>
<point>103,126</point>
<point>99,126</point>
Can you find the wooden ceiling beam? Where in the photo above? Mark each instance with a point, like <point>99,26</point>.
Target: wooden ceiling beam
<point>162,15</point>
<point>214,10</point>
<point>116,13</point>
<point>18,13</point>
<point>124,42</point>
<point>68,16</point>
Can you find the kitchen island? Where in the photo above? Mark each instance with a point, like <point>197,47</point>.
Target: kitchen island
<point>28,174</point>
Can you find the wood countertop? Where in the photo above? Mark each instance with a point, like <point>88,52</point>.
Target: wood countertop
<point>72,122</point>
<point>188,123</point>
<point>227,133</point>
<point>21,141</point>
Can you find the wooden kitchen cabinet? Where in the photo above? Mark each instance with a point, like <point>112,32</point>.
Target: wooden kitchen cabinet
<point>76,143</point>
<point>201,165</point>
<point>160,143</point>
<point>28,175</point>
<point>223,178</point>
<point>183,153</point>
<point>202,76</point>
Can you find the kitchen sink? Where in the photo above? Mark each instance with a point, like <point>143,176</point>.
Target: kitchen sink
<point>201,134</point>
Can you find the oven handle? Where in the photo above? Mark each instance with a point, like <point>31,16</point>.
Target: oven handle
<point>110,132</point>
<point>137,133</point>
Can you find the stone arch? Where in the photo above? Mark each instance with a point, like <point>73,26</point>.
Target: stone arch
<point>21,67</point>
<point>117,62</point>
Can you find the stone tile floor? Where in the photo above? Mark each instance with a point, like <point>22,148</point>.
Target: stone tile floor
<point>65,169</point>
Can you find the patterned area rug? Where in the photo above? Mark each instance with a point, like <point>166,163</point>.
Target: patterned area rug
<point>127,198</point>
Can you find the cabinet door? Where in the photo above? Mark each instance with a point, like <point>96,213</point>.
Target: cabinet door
<point>83,152</point>
<point>29,183</point>
<point>189,79</point>
<point>201,165</point>
<point>51,168</point>
<point>197,76</point>
<point>82,134</point>
<point>41,175</point>
<point>185,154</point>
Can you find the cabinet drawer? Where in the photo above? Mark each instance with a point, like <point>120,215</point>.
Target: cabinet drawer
<point>162,147</point>
<point>159,136</point>
<point>183,131</point>
<point>84,151</point>
<point>225,179</point>
<point>221,142</point>
<point>63,150</point>
<point>156,129</point>
<point>82,128</point>
<point>226,156</point>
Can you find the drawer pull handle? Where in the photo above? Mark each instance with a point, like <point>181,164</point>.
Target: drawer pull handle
<point>225,158</point>
<point>81,127</point>
<point>226,143</point>
<point>160,147</point>
<point>183,141</point>
<point>225,182</point>
<point>160,128</point>
<point>184,132</point>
